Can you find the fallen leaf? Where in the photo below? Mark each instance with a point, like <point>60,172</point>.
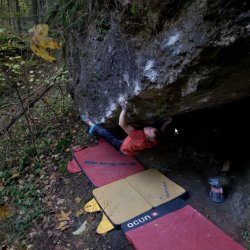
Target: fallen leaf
<point>64,220</point>
<point>60,201</point>
<point>77,200</point>
<point>79,213</point>
<point>15,175</point>
<point>63,216</point>
<point>52,178</point>
<point>5,212</point>
<point>63,225</point>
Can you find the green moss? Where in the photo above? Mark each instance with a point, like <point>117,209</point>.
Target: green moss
<point>142,17</point>
<point>103,24</point>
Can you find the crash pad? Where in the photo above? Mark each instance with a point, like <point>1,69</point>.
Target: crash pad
<point>176,226</point>
<point>155,187</point>
<point>103,164</point>
<point>120,201</point>
<point>125,199</point>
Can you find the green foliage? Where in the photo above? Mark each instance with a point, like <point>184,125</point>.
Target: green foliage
<point>63,143</point>
<point>75,16</point>
<point>11,42</point>
<point>13,65</point>
<point>3,85</point>
<point>145,16</point>
<point>26,201</point>
<point>11,61</point>
<point>103,25</point>
<point>26,197</point>
<point>245,235</point>
<point>135,8</point>
<point>24,8</point>
<point>63,77</point>
<point>62,165</point>
<point>24,162</point>
<point>22,192</point>
<point>70,14</point>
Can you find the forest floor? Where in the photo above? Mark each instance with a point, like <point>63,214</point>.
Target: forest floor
<point>37,192</point>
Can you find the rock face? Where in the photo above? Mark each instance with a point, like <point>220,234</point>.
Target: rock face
<point>164,57</point>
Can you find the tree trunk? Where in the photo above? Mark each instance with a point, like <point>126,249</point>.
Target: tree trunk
<point>35,11</point>
<point>41,10</point>
<point>9,11</point>
<point>18,19</point>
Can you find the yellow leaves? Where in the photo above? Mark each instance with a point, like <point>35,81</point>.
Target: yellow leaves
<point>40,42</point>
<point>81,211</point>
<point>5,212</point>
<point>42,53</point>
<point>63,216</point>
<point>104,226</point>
<point>63,221</point>
<point>77,200</point>
<point>92,206</point>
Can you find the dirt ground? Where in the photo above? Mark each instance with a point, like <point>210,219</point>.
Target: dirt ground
<point>204,140</point>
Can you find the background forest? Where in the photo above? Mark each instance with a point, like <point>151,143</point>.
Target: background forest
<point>38,128</point>
<point>20,15</point>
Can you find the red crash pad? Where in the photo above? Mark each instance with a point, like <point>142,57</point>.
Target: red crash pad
<point>103,164</point>
<point>176,226</point>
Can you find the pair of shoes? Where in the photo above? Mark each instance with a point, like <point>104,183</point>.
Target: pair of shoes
<point>86,120</point>
<point>218,186</point>
<point>216,194</point>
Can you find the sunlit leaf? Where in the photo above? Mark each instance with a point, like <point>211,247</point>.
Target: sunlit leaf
<point>42,53</point>
<point>92,206</point>
<point>40,42</point>
<point>104,226</point>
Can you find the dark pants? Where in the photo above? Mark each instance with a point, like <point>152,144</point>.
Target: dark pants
<point>108,136</point>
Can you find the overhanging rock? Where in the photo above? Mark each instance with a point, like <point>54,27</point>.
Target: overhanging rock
<point>199,57</point>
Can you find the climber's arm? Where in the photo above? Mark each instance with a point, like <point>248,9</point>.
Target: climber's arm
<point>123,120</point>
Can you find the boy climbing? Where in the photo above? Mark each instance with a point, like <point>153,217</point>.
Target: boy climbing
<point>136,141</point>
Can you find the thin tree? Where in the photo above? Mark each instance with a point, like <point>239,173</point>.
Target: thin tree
<point>18,17</point>
<point>35,11</point>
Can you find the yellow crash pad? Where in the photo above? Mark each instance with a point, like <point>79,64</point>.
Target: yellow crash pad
<point>124,199</point>
<point>155,187</point>
<point>120,201</point>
